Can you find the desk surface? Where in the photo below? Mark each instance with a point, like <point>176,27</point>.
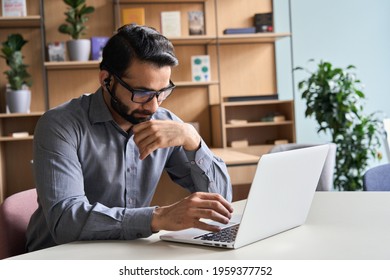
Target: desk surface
<point>341,225</point>
<point>231,157</point>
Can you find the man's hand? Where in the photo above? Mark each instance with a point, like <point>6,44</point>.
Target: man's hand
<point>154,134</point>
<point>188,212</point>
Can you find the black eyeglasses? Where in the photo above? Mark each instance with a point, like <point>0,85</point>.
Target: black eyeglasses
<point>143,96</point>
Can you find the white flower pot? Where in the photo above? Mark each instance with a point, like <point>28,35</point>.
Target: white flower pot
<point>79,50</point>
<point>18,101</point>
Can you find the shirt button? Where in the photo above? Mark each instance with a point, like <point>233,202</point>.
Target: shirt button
<point>128,170</point>
<point>192,161</point>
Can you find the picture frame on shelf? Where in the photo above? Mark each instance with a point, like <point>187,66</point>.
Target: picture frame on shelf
<point>14,8</point>
<point>56,51</point>
<point>133,16</point>
<point>200,68</point>
<point>196,23</point>
<point>97,45</point>
<point>264,22</point>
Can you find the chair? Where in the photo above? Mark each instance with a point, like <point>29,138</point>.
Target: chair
<point>377,178</point>
<point>326,179</point>
<point>386,140</point>
<point>15,213</point>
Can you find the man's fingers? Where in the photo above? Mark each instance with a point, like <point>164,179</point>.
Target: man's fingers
<point>151,135</point>
<point>212,210</point>
<point>144,151</point>
<point>213,201</point>
<point>211,215</point>
<point>206,226</point>
<point>189,212</point>
<point>209,206</point>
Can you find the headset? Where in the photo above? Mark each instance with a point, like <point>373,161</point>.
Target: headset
<point>107,82</point>
<point>115,104</point>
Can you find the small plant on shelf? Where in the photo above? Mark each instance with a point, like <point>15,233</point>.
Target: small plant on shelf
<point>75,26</point>
<point>335,99</point>
<point>76,18</point>
<point>18,76</point>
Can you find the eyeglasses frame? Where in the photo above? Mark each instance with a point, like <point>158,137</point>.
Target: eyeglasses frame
<point>171,87</point>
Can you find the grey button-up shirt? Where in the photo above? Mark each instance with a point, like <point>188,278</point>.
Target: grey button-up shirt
<point>91,183</point>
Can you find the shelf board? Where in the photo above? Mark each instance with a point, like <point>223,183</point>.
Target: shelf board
<point>267,37</point>
<point>12,139</point>
<point>61,65</point>
<point>195,84</point>
<point>258,124</point>
<point>157,1</point>
<point>254,102</point>
<point>193,40</point>
<point>20,115</point>
<point>228,39</point>
<point>15,22</point>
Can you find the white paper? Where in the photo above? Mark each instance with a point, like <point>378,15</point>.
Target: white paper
<point>14,8</point>
<point>171,24</point>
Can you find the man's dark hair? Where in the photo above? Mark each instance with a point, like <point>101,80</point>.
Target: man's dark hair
<point>137,42</point>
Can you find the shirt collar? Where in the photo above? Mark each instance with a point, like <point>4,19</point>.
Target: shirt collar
<point>98,110</point>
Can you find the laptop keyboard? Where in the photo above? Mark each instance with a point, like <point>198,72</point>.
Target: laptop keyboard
<point>227,234</point>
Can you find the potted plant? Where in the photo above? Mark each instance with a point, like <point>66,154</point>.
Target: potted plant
<point>76,17</point>
<point>18,94</point>
<point>334,97</point>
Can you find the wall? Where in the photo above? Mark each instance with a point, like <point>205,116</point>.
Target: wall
<point>342,32</point>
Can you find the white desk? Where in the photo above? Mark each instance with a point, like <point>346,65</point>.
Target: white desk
<point>341,225</point>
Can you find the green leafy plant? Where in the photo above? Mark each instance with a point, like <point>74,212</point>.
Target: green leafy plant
<point>76,17</point>
<point>334,97</point>
<point>11,51</point>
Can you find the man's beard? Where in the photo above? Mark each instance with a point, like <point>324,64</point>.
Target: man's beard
<point>121,109</point>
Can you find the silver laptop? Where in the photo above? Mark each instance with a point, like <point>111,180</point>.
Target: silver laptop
<point>279,199</point>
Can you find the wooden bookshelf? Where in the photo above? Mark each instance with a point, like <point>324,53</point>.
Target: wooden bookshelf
<point>241,65</point>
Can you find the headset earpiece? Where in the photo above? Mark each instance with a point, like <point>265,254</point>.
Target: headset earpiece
<point>107,82</point>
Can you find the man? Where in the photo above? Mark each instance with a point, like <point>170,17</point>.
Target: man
<point>98,158</point>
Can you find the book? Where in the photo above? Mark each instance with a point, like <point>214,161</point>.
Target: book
<point>97,45</point>
<point>171,23</point>
<point>133,15</point>
<point>279,118</point>
<point>14,8</point>
<point>252,97</point>
<point>273,117</point>
<point>237,121</point>
<point>56,51</point>
<point>195,23</point>
<point>200,68</point>
<point>244,30</point>
<point>20,134</point>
